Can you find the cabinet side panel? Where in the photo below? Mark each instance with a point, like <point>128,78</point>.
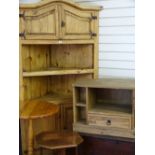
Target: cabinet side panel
<point>96,46</point>
<point>21,86</point>
<point>26,59</point>
<point>133,109</point>
<point>75,96</point>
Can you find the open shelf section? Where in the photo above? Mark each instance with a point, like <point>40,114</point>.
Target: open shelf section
<point>58,72</point>
<point>46,60</point>
<point>111,101</point>
<point>114,109</point>
<point>81,114</point>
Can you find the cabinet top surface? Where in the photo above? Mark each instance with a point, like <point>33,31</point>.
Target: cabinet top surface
<point>107,83</point>
<point>69,2</point>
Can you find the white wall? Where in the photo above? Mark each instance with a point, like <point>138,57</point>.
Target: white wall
<point>116,37</point>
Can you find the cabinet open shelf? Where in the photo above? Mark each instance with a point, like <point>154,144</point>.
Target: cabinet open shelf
<point>114,109</point>
<point>81,114</point>
<point>44,60</point>
<point>58,71</point>
<point>111,101</point>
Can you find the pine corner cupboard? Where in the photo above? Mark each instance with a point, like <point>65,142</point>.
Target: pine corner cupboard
<point>58,46</point>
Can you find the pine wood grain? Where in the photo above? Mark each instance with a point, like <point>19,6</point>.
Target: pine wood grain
<point>58,140</point>
<point>107,83</point>
<point>58,72</point>
<point>38,109</point>
<point>68,2</point>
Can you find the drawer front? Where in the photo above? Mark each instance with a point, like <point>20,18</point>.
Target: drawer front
<point>109,121</point>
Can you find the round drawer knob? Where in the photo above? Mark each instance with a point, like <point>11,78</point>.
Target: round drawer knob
<point>108,122</point>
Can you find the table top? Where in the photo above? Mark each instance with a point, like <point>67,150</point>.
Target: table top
<point>58,140</point>
<point>35,109</point>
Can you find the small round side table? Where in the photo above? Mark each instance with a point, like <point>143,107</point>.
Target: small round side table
<point>36,109</point>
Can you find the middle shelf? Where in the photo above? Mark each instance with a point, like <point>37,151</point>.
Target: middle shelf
<point>57,71</point>
<point>46,60</point>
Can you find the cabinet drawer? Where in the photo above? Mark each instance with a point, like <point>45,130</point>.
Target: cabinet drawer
<point>109,121</point>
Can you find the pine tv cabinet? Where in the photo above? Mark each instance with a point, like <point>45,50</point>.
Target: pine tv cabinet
<point>104,107</point>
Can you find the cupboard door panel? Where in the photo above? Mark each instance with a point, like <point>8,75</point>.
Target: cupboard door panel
<point>76,24</point>
<point>40,23</point>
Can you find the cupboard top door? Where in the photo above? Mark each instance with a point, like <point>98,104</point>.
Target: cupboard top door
<point>77,24</point>
<point>39,23</point>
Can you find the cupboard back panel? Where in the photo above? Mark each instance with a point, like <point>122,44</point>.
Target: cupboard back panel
<point>35,87</point>
<point>111,95</point>
<point>72,56</point>
<point>117,94</point>
<point>110,100</point>
<point>63,84</point>
<point>35,57</point>
<point>43,57</point>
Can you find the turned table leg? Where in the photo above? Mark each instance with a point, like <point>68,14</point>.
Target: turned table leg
<point>76,151</point>
<point>62,152</point>
<point>30,138</point>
